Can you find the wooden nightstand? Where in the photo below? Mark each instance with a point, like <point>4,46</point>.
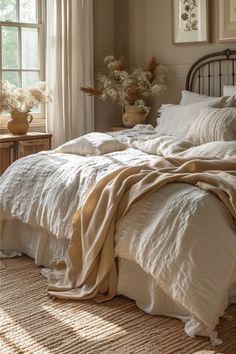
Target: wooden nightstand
<point>116,128</point>
<point>12,147</point>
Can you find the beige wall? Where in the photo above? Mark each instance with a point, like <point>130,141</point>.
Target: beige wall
<point>142,28</point>
<point>103,45</point>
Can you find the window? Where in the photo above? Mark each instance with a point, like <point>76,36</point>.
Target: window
<point>22,46</point>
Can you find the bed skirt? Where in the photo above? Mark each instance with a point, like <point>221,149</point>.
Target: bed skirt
<point>133,281</point>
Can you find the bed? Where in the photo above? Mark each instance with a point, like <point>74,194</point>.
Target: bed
<point>172,243</point>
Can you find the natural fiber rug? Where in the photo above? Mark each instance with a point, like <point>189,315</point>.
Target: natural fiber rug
<point>32,322</point>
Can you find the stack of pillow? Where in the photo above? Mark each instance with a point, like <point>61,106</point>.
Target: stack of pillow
<point>201,118</point>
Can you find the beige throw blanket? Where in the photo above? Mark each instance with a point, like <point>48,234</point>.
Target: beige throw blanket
<point>90,269</point>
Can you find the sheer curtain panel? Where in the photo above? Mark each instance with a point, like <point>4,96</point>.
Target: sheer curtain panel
<point>69,65</point>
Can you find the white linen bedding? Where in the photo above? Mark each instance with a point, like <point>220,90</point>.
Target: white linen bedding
<point>55,185</point>
<point>51,205</point>
<point>33,242</point>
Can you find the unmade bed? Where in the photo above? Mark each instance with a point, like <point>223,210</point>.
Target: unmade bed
<point>176,245</point>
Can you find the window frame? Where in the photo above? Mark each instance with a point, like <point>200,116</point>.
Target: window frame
<point>39,117</point>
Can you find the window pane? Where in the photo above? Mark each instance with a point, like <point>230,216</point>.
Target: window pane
<point>12,77</point>
<point>10,57</point>
<point>30,48</point>
<point>29,78</point>
<point>28,11</point>
<point>8,10</point>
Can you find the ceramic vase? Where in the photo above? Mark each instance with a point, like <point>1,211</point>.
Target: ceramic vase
<point>133,115</point>
<point>18,123</point>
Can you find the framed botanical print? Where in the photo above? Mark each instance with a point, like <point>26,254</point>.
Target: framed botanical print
<point>227,20</point>
<point>190,21</point>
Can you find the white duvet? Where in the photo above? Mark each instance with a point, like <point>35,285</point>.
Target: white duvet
<point>45,189</point>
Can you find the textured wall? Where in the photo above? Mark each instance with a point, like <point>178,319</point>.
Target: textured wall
<point>142,28</point>
<point>106,113</point>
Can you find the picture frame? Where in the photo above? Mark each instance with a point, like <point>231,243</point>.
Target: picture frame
<point>190,21</point>
<point>227,20</point>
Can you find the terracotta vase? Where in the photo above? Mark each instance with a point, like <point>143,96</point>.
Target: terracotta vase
<point>18,123</point>
<point>133,115</point>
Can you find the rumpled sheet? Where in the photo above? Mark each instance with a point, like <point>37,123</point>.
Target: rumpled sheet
<point>45,189</point>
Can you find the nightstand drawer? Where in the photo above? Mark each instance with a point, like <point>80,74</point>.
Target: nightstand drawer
<point>29,147</point>
<point>12,147</point>
<point>116,128</point>
<point>7,155</point>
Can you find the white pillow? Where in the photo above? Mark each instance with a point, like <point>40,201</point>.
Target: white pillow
<point>231,101</point>
<point>229,90</point>
<point>219,149</point>
<point>193,97</point>
<point>213,124</point>
<point>91,144</point>
<point>176,120</point>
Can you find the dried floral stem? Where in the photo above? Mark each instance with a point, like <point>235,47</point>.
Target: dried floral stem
<point>91,91</point>
<point>13,99</point>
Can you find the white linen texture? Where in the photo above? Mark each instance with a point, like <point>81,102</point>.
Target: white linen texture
<point>69,65</point>
<point>193,97</point>
<point>91,144</point>
<point>229,95</point>
<point>218,149</point>
<point>229,91</point>
<point>213,124</point>
<point>176,119</point>
<point>162,145</point>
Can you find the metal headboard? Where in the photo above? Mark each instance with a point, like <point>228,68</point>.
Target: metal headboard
<point>210,73</point>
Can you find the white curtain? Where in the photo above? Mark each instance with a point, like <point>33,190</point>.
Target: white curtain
<point>69,65</point>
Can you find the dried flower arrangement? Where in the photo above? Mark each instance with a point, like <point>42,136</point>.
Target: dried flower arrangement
<point>16,99</point>
<point>129,87</point>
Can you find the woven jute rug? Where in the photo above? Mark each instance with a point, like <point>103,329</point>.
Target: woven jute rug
<point>33,322</point>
